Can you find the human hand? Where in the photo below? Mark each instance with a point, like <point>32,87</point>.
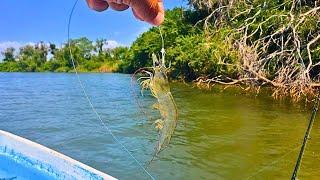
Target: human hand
<point>151,11</point>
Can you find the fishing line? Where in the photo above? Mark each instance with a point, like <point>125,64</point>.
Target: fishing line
<point>90,102</point>
<point>302,148</point>
<point>273,162</point>
<point>163,51</point>
<point>306,137</point>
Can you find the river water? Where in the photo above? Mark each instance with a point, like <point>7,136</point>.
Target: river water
<point>220,135</point>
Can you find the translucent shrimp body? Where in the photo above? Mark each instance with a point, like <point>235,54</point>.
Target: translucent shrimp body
<point>159,86</point>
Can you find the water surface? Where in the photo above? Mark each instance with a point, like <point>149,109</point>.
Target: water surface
<point>220,135</point>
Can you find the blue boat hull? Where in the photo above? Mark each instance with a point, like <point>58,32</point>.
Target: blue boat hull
<point>23,159</point>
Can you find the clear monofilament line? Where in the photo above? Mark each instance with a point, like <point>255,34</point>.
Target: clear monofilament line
<point>272,163</point>
<point>163,51</point>
<point>90,102</point>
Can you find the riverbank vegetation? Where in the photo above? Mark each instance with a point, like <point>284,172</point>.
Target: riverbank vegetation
<point>90,57</point>
<point>231,42</point>
<point>276,42</point>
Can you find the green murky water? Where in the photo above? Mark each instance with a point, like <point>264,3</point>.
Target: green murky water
<point>220,135</point>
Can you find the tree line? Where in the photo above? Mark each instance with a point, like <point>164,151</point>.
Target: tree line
<point>246,43</point>
<point>89,57</point>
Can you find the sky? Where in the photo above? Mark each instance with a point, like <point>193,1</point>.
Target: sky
<point>30,21</point>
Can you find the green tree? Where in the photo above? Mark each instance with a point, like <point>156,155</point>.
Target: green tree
<point>52,48</point>
<point>8,54</point>
<point>99,45</point>
<point>34,56</point>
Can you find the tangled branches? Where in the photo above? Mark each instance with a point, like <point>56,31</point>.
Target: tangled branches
<point>217,10</point>
<point>278,43</point>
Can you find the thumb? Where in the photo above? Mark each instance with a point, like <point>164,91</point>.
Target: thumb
<point>151,11</point>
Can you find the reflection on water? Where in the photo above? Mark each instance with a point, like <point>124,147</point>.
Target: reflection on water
<point>220,135</point>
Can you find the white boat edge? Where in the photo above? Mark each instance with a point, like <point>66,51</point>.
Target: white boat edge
<point>62,166</point>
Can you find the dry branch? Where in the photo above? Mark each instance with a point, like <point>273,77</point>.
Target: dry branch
<point>285,48</point>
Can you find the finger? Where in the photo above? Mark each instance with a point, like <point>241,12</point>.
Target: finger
<point>118,7</point>
<point>160,17</point>
<point>136,15</point>
<point>151,11</point>
<point>98,5</point>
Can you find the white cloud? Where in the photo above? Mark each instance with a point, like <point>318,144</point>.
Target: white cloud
<point>15,44</point>
<point>30,44</point>
<point>5,45</point>
<point>110,44</point>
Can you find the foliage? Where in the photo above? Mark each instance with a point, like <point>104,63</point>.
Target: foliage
<point>8,54</point>
<point>277,42</point>
<point>215,41</point>
<point>89,57</point>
